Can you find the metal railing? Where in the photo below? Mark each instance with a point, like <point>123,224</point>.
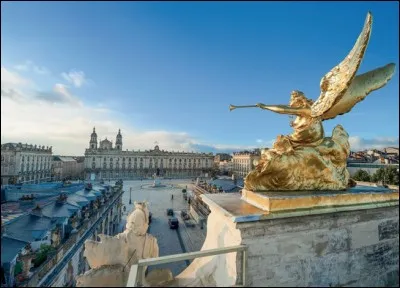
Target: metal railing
<point>137,271</point>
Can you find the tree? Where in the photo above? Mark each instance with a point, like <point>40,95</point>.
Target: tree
<point>41,254</point>
<point>388,175</point>
<point>362,175</point>
<point>17,268</point>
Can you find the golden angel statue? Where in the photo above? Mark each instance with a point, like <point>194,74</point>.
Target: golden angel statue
<point>306,159</point>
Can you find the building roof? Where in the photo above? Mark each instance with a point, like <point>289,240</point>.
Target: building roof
<point>226,184</point>
<point>29,227</point>
<point>55,210</point>
<point>64,159</point>
<point>77,200</point>
<point>29,147</point>
<point>87,194</point>
<point>10,248</point>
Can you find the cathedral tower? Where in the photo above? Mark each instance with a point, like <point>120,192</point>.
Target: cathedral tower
<point>118,143</point>
<point>93,139</point>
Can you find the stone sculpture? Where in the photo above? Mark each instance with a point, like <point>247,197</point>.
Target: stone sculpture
<point>306,159</point>
<point>55,237</point>
<point>110,259</point>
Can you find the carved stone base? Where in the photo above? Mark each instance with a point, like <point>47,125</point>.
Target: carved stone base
<point>283,201</point>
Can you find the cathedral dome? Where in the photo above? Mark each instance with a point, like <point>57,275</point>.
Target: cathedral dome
<point>105,144</point>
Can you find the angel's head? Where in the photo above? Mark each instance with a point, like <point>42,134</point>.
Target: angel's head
<point>299,100</point>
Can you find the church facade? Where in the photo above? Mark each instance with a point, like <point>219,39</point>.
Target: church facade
<point>109,162</point>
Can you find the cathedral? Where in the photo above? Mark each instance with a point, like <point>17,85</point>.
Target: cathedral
<point>105,161</point>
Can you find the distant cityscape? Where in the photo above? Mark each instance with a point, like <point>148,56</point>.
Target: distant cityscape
<point>23,163</point>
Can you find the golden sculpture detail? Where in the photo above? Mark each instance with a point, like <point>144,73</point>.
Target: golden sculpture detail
<point>306,159</point>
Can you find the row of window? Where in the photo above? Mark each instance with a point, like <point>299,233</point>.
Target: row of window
<point>141,165</point>
<point>151,160</point>
<point>41,166</point>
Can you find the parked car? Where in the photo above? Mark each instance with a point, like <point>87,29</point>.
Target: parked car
<point>170,212</point>
<point>173,223</point>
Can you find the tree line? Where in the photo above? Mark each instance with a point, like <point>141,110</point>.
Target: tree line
<point>386,176</point>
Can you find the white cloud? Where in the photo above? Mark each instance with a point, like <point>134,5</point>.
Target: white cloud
<point>77,78</point>
<point>59,95</point>
<point>10,79</point>
<point>30,66</point>
<point>11,83</point>
<point>59,119</point>
<point>357,143</point>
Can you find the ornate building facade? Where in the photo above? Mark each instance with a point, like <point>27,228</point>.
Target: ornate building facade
<point>243,162</point>
<point>106,162</point>
<point>23,163</point>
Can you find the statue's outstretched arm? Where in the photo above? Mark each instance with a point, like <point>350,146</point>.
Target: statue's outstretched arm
<point>285,109</point>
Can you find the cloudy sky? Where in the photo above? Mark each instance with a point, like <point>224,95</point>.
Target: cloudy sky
<point>167,72</point>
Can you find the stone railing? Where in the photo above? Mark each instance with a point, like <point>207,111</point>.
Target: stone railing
<point>137,271</point>
<point>54,258</point>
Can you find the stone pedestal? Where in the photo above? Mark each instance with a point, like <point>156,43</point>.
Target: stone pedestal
<point>346,240</point>
<point>295,200</point>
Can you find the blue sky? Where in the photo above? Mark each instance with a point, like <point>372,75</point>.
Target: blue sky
<point>168,71</point>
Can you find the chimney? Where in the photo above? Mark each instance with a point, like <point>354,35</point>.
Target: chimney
<point>37,211</point>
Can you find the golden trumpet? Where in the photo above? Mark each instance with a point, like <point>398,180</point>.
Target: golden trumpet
<point>232,107</point>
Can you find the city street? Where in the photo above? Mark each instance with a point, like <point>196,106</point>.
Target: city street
<point>169,241</point>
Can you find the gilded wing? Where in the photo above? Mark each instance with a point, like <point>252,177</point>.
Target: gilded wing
<point>359,88</point>
<point>335,83</point>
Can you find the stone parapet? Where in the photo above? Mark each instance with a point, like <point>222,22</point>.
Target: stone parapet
<point>296,200</point>
<point>348,245</point>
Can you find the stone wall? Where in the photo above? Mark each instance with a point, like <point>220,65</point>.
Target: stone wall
<point>195,215</point>
<point>353,248</point>
<point>63,275</point>
<point>219,271</point>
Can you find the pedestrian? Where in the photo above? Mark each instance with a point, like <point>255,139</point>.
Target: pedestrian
<point>172,196</point>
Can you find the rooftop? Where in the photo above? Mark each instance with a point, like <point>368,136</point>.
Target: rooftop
<point>29,227</point>
<point>13,247</point>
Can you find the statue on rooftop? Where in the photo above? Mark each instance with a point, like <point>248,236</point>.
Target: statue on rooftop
<point>111,259</point>
<point>306,159</point>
